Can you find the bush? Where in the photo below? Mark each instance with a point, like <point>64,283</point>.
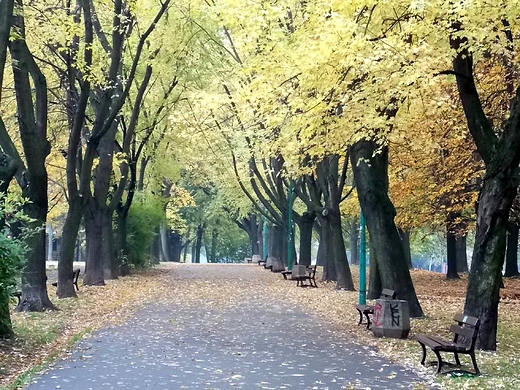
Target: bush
<point>144,219</point>
<point>12,257</point>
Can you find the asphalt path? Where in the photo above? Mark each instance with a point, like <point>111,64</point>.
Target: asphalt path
<point>247,345</point>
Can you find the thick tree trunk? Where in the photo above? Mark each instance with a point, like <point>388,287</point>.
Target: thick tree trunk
<point>276,240</point>
<point>122,242</point>
<point>69,236</point>
<point>260,235</point>
<point>512,250</point>
<point>353,238</point>
<point>165,245</point>
<point>255,242</point>
<point>6,13</point>
<point>501,156</point>
<point>370,165</point>
<point>451,246</point>
<point>214,242</point>
<point>343,276</point>
<point>306,224</point>
<point>320,256</point>
<point>462,257</point>
<point>110,259</point>
<point>329,266</point>
<point>6,327</point>
<point>375,286</point>
<point>32,123</point>
<point>176,246</point>
<point>198,242</point>
<point>94,275</point>
<point>405,239</point>
<point>495,199</point>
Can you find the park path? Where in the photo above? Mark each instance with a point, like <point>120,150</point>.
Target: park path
<point>217,327</point>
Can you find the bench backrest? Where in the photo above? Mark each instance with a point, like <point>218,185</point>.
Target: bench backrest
<point>467,328</point>
<point>312,271</point>
<point>388,294</point>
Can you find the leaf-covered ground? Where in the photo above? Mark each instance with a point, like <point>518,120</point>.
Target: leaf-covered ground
<point>43,336</point>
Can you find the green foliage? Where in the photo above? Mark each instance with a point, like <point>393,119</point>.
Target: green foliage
<point>12,251</point>
<point>232,244</point>
<point>144,218</point>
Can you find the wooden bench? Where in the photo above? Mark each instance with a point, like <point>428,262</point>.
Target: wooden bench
<point>368,310</point>
<point>75,277</point>
<point>464,337</point>
<point>310,276</point>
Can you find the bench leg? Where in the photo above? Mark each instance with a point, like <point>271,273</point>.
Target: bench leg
<point>474,361</point>
<point>368,321</point>
<point>423,360</point>
<point>360,316</point>
<point>457,360</point>
<point>439,361</point>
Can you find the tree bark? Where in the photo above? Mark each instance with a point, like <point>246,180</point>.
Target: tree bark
<point>512,250</point>
<point>501,156</point>
<point>375,286</point>
<point>198,242</point>
<point>176,246</point>
<point>6,14</point>
<point>94,232</point>
<point>451,246</point>
<point>327,255</point>
<point>32,123</point>
<point>307,222</point>
<point>370,166</point>
<point>214,242</point>
<point>462,257</point>
<point>354,233</point>
<point>405,239</point>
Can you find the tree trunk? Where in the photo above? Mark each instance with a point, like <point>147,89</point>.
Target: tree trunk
<point>6,327</point>
<point>32,123</point>
<point>6,13</point>
<point>165,247</point>
<point>485,277</point>
<point>276,239</point>
<point>307,222</point>
<point>343,276</point>
<point>370,166</point>
<point>405,239</point>
<point>69,237</point>
<point>320,256</point>
<point>214,242</point>
<point>260,235</point>
<point>329,266</point>
<point>94,275</point>
<point>462,257</point>
<point>451,246</point>
<point>185,252</point>
<point>122,242</point>
<point>176,246</point>
<point>501,156</point>
<point>198,242</point>
<point>375,286</point>
<point>110,259</point>
<point>512,250</point>
<point>354,251</point>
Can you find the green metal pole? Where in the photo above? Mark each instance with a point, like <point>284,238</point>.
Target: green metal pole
<point>290,238</point>
<point>362,262</point>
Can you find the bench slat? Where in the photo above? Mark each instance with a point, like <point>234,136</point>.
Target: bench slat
<point>461,318</point>
<point>466,332</point>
